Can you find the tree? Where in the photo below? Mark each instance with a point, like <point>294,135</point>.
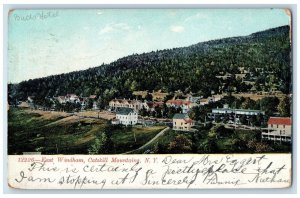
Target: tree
<point>98,147</point>
<point>198,113</point>
<point>268,104</point>
<point>143,112</point>
<point>160,148</point>
<point>258,147</point>
<point>158,113</point>
<point>232,101</point>
<point>212,134</point>
<point>58,106</point>
<point>244,119</point>
<point>181,144</point>
<point>248,104</point>
<point>48,103</point>
<point>133,86</point>
<point>77,106</point>
<point>171,112</point>
<point>219,131</point>
<point>209,145</point>
<point>242,87</point>
<point>169,97</point>
<point>89,104</point>
<point>284,107</point>
<point>149,97</point>
<point>238,145</point>
<point>69,107</point>
<point>192,114</point>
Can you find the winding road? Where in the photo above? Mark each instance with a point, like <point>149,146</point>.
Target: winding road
<point>150,141</point>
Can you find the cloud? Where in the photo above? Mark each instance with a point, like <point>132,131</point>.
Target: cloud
<point>177,28</point>
<point>106,29</point>
<point>114,27</point>
<point>201,16</point>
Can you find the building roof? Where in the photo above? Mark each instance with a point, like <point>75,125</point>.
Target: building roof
<point>92,96</point>
<point>158,104</point>
<point>179,116</point>
<point>217,96</point>
<point>249,110</point>
<point>188,120</point>
<point>280,120</point>
<point>125,101</point>
<point>183,116</point>
<point>83,99</point>
<point>124,111</point>
<point>71,95</point>
<point>178,102</point>
<point>241,110</point>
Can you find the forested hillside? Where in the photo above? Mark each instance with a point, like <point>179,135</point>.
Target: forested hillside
<point>189,69</point>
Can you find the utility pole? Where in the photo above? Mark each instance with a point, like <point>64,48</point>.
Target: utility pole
<point>234,115</point>
<point>134,136</point>
<point>260,122</point>
<point>56,148</point>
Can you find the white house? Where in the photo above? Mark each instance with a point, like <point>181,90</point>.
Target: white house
<point>115,121</point>
<point>134,104</point>
<point>61,99</point>
<point>150,106</point>
<point>95,107</point>
<point>204,101</point>
<point>193,99</point>
<point>30,99</point>
<point>126,116</point>
<point>279,129</point>
<point>184,105</point>
<point>72,98</point>
<point>83,102</point>
<point>216,97</point>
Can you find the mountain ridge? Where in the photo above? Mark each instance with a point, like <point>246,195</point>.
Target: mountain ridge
<point>255,34</point>
<point>269,49</point>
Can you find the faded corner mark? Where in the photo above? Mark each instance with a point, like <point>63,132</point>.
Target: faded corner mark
<point>11,186</point>
<point>288,12</point>
<point>10,12</point>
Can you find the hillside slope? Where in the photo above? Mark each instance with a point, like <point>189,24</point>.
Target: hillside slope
<point>192,68</point>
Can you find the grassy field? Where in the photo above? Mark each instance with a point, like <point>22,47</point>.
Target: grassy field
<point>95,114</point>
<point>125,139</point>
<point>62,133</point>
<point>256,96</point>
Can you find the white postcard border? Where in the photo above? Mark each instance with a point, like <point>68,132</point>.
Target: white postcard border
<point>295,126</point>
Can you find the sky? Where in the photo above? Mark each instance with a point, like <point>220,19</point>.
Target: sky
<point>48,42</point>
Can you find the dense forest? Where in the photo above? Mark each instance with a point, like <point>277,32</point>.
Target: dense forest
<point>189,69</point>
